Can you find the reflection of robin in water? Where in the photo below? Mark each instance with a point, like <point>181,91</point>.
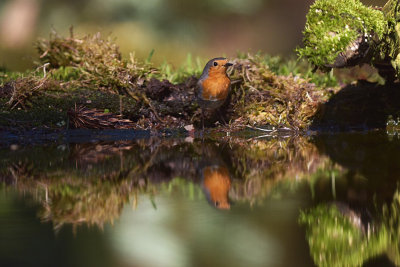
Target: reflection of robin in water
<point>216,184</point>
<point>214,175</point>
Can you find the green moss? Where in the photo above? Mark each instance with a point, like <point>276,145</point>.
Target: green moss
<point>66,74</point>
<point>93,61</point>
<point>391,48</point>
<point>333,24</point>
<point>299,67</point>
<point>391,42</point>
<point>6,76</point>
<point>265,98</point>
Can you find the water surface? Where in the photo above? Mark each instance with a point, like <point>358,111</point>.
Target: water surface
<point>328,200</point>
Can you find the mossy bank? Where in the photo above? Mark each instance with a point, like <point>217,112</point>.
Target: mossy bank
<point>84,82</point>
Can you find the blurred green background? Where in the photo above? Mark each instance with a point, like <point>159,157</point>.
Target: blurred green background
<point>173,28</point>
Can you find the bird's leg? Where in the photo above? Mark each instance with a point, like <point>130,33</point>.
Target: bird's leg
<point>221,117</point>
<point>202,118</point>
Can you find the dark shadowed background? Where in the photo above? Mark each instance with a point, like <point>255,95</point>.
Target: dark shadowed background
<point>173,28</point>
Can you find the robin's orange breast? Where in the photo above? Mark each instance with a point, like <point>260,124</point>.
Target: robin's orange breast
<point>215,87</point>
<point>217,182</point>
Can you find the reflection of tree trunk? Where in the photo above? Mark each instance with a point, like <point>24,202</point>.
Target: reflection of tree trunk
<point>18,22</point>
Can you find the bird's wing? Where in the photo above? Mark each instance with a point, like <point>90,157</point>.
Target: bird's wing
<point>199,88</point>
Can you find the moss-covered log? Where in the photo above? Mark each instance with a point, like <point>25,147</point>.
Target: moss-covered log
<point>345,33</point>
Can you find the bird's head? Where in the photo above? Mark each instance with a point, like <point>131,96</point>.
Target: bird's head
<point>217,65</point>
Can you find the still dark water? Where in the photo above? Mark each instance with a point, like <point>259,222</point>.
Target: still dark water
<point>329,200</point>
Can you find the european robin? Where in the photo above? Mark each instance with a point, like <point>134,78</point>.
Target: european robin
<point>216,185</point>
<point>214,85</point>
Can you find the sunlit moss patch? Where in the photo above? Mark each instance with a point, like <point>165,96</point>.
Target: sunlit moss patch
<point>332,25</point>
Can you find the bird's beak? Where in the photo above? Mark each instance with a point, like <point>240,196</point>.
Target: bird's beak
<point>228,64</point>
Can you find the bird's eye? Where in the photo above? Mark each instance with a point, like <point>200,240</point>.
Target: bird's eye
<point>215,63</point>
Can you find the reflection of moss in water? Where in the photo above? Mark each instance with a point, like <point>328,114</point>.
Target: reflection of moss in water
<point>81,193</point>
<point>336,240</point>
<point>79,201</point>
<point>183,187</point>
<point>90,203</point>
<point>90,183</point>
<point>391,220</point>
<point>273,166</point>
